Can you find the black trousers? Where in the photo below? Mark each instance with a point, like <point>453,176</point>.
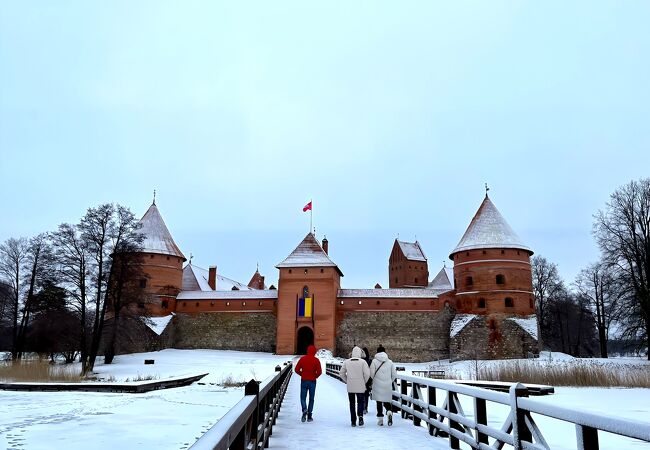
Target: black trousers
<point>359,407</point>
<point>386,405</point>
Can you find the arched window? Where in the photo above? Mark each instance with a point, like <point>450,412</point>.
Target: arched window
<point>415,281</point>
<point>509,303</point>
<point>481,303</point>
<point>395,279</point>
<point>469,281</point>
<point>305,291</point>
<point>501,279</point>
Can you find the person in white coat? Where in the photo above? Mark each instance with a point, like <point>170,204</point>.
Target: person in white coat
<point>355,373</point>
<point>383,373</point>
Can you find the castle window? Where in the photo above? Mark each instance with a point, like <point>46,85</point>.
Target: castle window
<point>509,303</point>
<point>481,303</point>
<point>395,279</point>
<point>227,303</point>
<point>143,283</point>
<point>415,280</point>
<point>184,303</point>
<point>359,301</point>
<point>321,271</point>
<point>517,251</point>
<point>197,304</point>
<point>484,252</point>
<point>243,303</point>
<point>151,256</point>
<point>305,291</point>
<point>289,270</point>
<point>378,302</point>
<point>501,279</point>
<point>260,304</point>
<point>342,302</point>
<point>469,281</point>
<point>168,258</point>
<point>503,252</point>
<point>466,253</point>
<point>530,302</point>
<point>211,303</point>
<point>409,267</point>
<point>164,304</point>
<point>306,271</point>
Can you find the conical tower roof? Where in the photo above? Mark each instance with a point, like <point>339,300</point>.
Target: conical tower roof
<point>488,229</point>
<point>157,238</point>
<point>308,253</point>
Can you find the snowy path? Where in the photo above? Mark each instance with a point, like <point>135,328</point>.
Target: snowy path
<point>331,426</point>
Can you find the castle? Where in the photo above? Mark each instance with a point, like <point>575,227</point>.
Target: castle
<point>482,308</point>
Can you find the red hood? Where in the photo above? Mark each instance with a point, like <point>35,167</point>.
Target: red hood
<point>311,350</point>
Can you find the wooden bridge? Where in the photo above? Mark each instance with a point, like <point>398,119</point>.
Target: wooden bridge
<point>434,414</point>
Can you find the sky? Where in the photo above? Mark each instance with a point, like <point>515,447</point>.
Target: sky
<point>391,116</point>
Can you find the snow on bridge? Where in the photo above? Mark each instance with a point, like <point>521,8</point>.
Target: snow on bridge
<point>331,427</point>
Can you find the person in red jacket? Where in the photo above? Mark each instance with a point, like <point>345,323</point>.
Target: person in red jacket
<point>309,369</point>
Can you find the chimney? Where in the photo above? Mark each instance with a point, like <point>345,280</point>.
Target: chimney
<point>212,277</point>
<point>325,245</point>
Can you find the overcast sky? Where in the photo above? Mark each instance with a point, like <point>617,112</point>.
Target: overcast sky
<point>391,116</point>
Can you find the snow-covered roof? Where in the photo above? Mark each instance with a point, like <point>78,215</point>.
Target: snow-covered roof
<point>390,293</point>
<point>443,280</point>
<point>157,238</point>
<point>308,253</point>
<point>528,324</point>
<point>460,321</point>
<point>412,251</point>
<point>488,229</point>
<point>196,279</point>
<point>158,324</point>
<point>253,294</point>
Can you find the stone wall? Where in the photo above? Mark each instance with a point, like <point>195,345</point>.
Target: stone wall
<point>492,337</point>
<point>407,336</point>
<point>253,332</point>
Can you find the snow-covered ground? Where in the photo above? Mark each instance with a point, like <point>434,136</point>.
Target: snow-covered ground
<point>174,418</point>
<point>165,419</point>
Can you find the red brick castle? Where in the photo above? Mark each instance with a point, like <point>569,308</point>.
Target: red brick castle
<point>482,308</point>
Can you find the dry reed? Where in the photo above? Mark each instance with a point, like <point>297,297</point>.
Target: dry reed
<point>38,371</point>
<point>568,374</point>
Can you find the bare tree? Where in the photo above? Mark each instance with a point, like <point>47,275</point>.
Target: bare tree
<point>72,259</point>
<point>13,253</point>
<point>38,269</point>
<point>622,231</point>
<point>107,230</point>
<point>601,289</point>
<point>547,286</point>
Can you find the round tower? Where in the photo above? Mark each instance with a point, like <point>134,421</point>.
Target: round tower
<point>162,264</point>
<point>492,271</point>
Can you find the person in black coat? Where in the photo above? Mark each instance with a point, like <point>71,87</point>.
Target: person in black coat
<point>367,394</point>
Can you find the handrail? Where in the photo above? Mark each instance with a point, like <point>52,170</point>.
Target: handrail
<point>519,430</point>
<point>249,424</point>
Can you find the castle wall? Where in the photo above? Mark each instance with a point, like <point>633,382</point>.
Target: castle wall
<point>407,336</point>
<point>251,331</point>
<point>494,336</point>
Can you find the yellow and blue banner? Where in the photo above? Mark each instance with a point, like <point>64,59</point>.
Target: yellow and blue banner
<point>304,307</point>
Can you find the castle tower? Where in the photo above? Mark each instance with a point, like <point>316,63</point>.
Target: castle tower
<point>162,263</point>
<point>407,265</point>
<point>492,271</point>
<point>307,292</point>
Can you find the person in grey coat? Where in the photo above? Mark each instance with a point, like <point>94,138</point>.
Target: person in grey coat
<point>355,373</point>
<point>383,373</point>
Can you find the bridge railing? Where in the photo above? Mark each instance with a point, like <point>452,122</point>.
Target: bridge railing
<point>249,424</point>
<point>416,399</point>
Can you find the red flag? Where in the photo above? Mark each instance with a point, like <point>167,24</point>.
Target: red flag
<point>307,207</point>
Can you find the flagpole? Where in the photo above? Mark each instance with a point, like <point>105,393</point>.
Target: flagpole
<point>311,216</point>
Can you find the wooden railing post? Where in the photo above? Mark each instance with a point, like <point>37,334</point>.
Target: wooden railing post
<point>416,396</point>
<point>431,398</point>
<point>451,408</point>
<point>403,385</point>
<point>481,419</point>
<point>587,438</point>
<point>253,388</point>
<point>520,431</point>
